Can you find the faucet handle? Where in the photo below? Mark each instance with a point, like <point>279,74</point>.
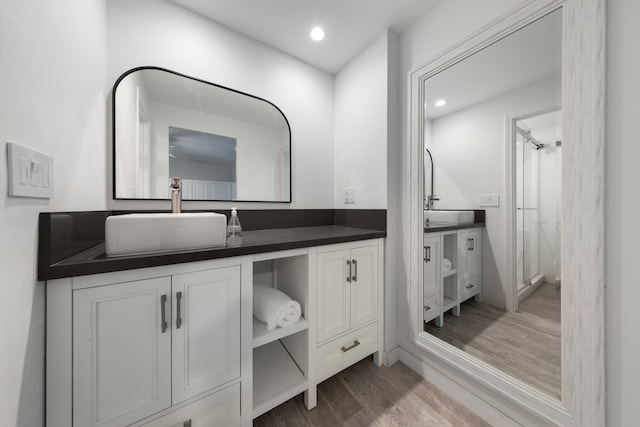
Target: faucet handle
<point>175,182</point>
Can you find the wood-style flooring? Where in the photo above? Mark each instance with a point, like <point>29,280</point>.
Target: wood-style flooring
<point>367,395</point>
<point>525,344</point>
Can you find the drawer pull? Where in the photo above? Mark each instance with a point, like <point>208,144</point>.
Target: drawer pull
<point>349,273</point>
<point>469,286</point>
<point>354,345</point>
<point>427,307</point>
<point>354,263</point>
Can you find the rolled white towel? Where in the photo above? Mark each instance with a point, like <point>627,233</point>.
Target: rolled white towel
<point>274,307</point>
<point>446,264</point>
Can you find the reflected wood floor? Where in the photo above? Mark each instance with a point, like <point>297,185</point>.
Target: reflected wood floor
<point>368,395</point>
<point>525,344</point>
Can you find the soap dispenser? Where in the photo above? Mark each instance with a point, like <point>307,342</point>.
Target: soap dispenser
<point>234,229</point>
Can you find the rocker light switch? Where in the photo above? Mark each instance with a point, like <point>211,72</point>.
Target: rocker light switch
<point>30,172</point>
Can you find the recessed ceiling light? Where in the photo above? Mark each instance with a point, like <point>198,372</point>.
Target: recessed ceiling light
<point>317,34</point>
<point>440,102</point>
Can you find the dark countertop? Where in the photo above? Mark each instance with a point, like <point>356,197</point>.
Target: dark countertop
<point>84,255</point>
<point>435,226</point>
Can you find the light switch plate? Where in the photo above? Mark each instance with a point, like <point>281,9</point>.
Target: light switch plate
<point>30,172</point>
<point>490,200</point>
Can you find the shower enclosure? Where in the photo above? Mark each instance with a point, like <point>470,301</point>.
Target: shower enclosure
<point>538,150</point>
<point>527,207</point>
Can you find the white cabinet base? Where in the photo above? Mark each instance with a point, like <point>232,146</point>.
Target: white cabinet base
<point>276,377</point>
<point>220,409</point>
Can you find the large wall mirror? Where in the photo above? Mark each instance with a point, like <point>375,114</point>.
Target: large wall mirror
<point>224,144</point>
<point>522,120</point>
<point>521,81</point>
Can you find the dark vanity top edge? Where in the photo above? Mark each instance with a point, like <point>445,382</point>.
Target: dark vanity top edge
<point>435,227</point>
<point>479,221</point>
<point>72,243</point>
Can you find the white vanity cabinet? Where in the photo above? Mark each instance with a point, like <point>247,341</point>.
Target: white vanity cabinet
<point>347,282</point>
<point>177,345</point>
<point>147,347</point>
<point>452,271</point>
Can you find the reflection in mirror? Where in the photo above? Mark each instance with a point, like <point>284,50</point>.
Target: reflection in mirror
<point>503,99</point>
<point>224,144</point>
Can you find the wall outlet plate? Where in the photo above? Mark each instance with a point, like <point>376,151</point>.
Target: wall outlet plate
<point>492,200</point>
<point>350,195</point>
<point>30,172</point>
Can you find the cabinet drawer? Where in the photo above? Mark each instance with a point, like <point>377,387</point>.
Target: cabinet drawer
<point>469,288</point>
<point>220,409</point>
<point>343,352</point>
<point>431,307</point>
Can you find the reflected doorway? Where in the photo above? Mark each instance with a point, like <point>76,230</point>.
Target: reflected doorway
<point>538,151</point>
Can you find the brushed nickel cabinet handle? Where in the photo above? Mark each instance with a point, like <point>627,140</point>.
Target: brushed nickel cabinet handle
<point>354,345</point>
<point>469,286</point>
<point>354,263</point>
<point>427,307</point>
<point>470,244</point>
<point>349,274</point>
<point>163,311</point>
<point>178,315</point>
<point>186,423</point>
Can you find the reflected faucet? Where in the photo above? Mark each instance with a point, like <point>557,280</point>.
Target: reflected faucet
<point>176,194</point>
<point>428,200</point>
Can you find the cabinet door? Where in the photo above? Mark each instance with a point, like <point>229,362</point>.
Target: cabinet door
<point>206,330</point>
<point>473,253</point>
<point>364,285</point>
<point>333,298</point>
<point>121,352</point>
<point>469,253</point>
<point>431,264</point>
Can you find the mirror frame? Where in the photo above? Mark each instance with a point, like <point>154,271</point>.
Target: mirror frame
<point>583,263</point>
<point>113,138</point>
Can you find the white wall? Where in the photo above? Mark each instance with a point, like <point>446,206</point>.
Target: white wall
<point>52,99</point>
<point>365,137</point>
<point>622,211</point>
<point>160,33</point>
<point>360,133</point>
<point>469,155</point>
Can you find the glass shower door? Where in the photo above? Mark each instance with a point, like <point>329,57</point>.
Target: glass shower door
<point>527,214</point>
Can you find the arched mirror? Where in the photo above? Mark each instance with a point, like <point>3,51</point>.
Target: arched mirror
<point>225,145</point>
<point>510,118</point>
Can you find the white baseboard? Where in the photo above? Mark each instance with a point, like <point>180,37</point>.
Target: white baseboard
<point>391,357</point>
<point>462,395</point>
<point>528,290</point>
<point>491,407</point>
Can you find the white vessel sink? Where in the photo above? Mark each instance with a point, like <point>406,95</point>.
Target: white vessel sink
<point>159,232</point>
<point>448,217</point>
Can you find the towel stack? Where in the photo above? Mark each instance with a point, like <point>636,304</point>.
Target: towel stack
<point>274,307</point>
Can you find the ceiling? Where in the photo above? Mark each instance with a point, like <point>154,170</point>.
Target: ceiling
<point>350,25</point>
<point>529,55</point>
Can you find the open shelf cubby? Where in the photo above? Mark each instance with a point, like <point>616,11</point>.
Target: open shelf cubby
<point>280,356</point>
